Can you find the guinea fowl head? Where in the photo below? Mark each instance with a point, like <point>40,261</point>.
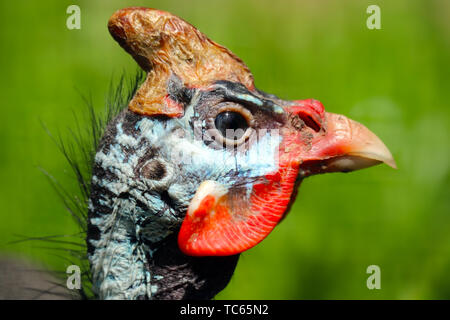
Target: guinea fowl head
<point>202,165</point>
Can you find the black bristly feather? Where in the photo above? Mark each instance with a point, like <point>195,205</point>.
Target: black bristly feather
<point>79,151</point>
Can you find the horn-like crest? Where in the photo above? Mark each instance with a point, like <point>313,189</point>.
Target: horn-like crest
<point>163,44</point>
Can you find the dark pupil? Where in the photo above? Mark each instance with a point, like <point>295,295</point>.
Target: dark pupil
<point>231,120</point>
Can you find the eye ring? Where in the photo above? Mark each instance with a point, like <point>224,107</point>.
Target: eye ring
<point>235,108</point>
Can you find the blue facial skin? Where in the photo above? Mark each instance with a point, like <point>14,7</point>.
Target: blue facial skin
<point>146,172</point>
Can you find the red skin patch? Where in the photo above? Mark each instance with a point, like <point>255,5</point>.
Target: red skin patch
<point>233,223</point>
<point>172,108</point>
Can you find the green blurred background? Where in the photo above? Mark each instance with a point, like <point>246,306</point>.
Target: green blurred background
<point>394,80</point>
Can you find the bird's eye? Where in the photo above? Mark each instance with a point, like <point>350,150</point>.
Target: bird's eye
<point>231,124</point>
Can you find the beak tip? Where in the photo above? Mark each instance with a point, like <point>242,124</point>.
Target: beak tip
<point>391,163</point>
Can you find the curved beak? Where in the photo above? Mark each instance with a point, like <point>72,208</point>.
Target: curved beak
<point>345,145</point>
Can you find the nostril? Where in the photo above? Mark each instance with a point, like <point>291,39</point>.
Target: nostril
<point>312,123</point>
<point>310,111</point>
